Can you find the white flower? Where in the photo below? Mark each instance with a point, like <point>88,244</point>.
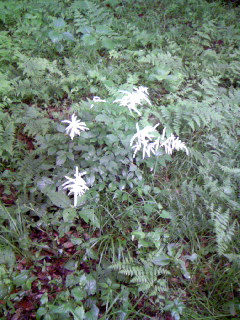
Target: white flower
<point>149,143</point>
<point>132,99</point>
<point>97,99</point>
<point>144,139</point>
<point>75,126</point>
<point>173,143</point>
<point>76,185</point>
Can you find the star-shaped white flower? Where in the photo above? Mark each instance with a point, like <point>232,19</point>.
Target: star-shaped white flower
<point>76,185</point>
<point>132,99</point>
<point>75,126</point>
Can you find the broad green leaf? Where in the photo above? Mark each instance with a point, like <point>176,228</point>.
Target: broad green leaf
<point>91,285</point>
<point>21,278</point>
<point>165,215</point>
<point>138,234</point>
<point>103,29</point>
<point>71,264</point>
<point>78,293</point>
<point>93,313</point>
<point>88,216</point>
<point>161,259</point>
<point>4,290</point>
<point>79,313</point>
<point>40,312</point>
<point>44,183</point>
<point>69,214</point>
<point>59,23</point>
<point>68,36</point>
<point>108,43</point>
<point>7,256</point>
<point>55,36</point>
<point>89,40</point>
<point>44,298</point>
<point>62,309</point>
<point>59,199</point>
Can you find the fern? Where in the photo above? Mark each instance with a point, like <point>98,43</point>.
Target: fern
<point>89,14</point>
<point>224,229</point>
<point>144,273</point>
<point>231,171</point>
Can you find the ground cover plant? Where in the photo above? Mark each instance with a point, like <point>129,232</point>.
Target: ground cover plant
<point>119,146</point>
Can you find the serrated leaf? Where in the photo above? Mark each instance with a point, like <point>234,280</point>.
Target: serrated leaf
<point>55,36</point>
<point>165,215</point>
<point>108,43</point>
<point>89,40</point>
<point>71,265</point>
<point>44,183</point>
<point>59,199</point>
<point>91,285</point>
<point>68,36</point>
<point>88,216</point>
<point>161,259</point>
<point>79,313</point>
<point>93,313</point>
<point>69,214</point>
<point>78,294</point>
<point>59,23</point>
<point>7,256</point>
<point>40,312</point>
<point>21,278</point>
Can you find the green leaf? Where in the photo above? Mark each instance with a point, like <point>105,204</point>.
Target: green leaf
<point>161,259</point>
<point>148,208</point>
<point>59,199</point>
<point>4,290</point>
<point>165,215</point>
<point>21,278</point>
<point>7,256</point>
<point>138,234</point>
<point>91,285</point>
<point>102,29</point>
<point>61,159</point>
<point>68,36</point>
<point>41,312</point>
<point>93,313</point>
<point>88,216</point>
<point>78,293</point>
<point>71,265</point>
<point>108,43</point>
<point>62,309</point>
<point>89,40</point>
<point>69,214</point>
<point>79,313</point>
<point>55,36</point>
<point>59,23</point>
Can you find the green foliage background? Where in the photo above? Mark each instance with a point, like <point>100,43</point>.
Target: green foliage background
<point>154,237</point>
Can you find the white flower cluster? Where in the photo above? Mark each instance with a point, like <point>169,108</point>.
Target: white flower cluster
<point>76,185</point>
<point>144,140</point>
<point>132,99</point>
<point>75,126</point>
<point>148,141</point>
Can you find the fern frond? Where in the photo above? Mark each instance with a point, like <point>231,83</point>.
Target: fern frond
<point>231,171</point>
<point>224,229</point>
<point>144,273</point>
